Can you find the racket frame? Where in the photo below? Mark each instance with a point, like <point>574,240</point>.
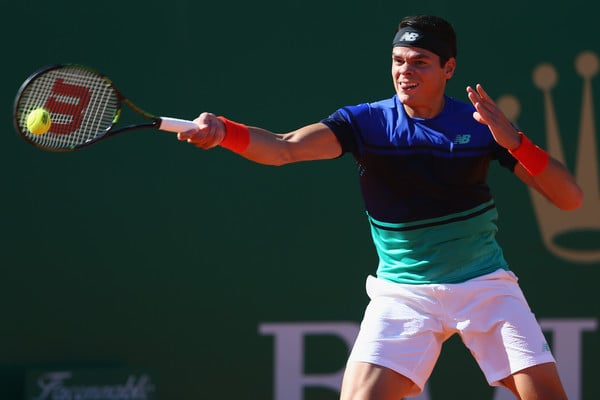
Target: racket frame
<point>154,122</point>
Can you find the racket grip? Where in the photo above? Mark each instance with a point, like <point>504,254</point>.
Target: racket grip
<point>175,125</point>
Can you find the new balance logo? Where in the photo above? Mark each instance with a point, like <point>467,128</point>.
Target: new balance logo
<point>409,37</point>
<point>545,347</point>
<point>462,139</point>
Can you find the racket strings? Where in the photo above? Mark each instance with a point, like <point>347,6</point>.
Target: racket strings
<point>83,106</point>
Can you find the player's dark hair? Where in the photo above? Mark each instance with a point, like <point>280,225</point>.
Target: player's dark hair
<point>436,25</point>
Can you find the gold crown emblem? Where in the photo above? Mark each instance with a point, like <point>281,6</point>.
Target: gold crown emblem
<point>584,222</point>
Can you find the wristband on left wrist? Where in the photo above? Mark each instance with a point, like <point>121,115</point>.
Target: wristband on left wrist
<point>531,157</point>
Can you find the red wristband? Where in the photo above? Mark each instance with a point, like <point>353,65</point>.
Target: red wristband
<point>237,136</point>
<point>531,157</point>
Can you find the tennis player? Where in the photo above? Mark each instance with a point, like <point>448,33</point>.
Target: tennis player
<point>423,159</point>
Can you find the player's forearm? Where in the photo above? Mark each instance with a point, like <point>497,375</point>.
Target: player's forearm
<point>547,175</point>
<point>268,148</point>
<point>559,186</point>
<point>311,142</point>
<point>555,183</point>
<point>253,143</point>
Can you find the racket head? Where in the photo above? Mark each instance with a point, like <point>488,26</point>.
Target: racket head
<point>84,105</point>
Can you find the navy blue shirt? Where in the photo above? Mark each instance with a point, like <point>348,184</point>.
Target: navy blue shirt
<point>411,168</point>
<point>425,179</point>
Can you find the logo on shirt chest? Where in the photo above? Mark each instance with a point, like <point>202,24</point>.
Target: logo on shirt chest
<point>462,139</point>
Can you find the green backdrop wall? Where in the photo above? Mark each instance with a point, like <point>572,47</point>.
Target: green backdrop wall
<point>227,279</point>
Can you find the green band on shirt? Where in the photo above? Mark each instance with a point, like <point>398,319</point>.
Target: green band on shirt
<point>449,249</point>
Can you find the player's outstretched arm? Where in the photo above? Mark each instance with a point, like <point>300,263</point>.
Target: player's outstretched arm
<point>311,142</point>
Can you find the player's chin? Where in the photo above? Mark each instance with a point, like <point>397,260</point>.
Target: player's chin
<point>405,98</point>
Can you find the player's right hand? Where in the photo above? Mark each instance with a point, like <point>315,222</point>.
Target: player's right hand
<point>209,133</point>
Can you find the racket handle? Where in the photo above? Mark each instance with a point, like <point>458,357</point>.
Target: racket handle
<point>175,125</point>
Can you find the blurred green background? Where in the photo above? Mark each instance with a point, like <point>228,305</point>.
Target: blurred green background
<point>148,253</point>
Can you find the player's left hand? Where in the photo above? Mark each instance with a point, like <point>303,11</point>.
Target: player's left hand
<point>488,113</point>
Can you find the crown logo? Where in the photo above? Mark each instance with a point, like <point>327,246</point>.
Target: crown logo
<point>564,231</point>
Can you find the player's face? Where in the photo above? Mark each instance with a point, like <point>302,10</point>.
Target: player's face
<point>419,80</point>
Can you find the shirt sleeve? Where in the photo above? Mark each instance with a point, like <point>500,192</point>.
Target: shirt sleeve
<point>340,124</point>
<point>505,158</point>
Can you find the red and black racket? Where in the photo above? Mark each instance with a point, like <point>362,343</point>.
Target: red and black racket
<point>84,106</point>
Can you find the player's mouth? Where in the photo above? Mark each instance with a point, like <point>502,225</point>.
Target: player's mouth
<point>407,86</point>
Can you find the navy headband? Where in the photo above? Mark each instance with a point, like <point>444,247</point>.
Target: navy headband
<point>409,36</point>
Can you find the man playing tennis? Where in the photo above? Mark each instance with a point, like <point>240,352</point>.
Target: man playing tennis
<point>423,159</point>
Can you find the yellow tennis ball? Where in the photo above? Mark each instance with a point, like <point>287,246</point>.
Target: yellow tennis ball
<point>38,121</point>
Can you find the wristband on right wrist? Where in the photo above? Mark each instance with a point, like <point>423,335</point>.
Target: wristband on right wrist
<point>531,157</point>
<point>237,136</point>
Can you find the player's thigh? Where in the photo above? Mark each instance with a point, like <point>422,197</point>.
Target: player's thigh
<point>502,332</point>
<point>538,382</point>
<point>366,381</point>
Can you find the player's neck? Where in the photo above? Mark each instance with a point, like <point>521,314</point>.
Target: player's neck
<point>427,111</point>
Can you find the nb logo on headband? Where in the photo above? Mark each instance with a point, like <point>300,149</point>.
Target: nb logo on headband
<point>409,37</point>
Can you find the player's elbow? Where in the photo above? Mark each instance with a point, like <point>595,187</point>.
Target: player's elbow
<point>568,198</point>
<point>573,201</point>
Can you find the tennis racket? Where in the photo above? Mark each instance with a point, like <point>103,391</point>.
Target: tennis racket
<point>84,106</point>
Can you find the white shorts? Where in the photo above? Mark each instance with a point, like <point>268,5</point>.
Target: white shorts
<point>405,326</point>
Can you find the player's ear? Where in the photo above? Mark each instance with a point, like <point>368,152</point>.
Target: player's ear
<point>450,67</point>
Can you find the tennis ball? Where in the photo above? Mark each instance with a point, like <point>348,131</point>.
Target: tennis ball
<point>38,121</point>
